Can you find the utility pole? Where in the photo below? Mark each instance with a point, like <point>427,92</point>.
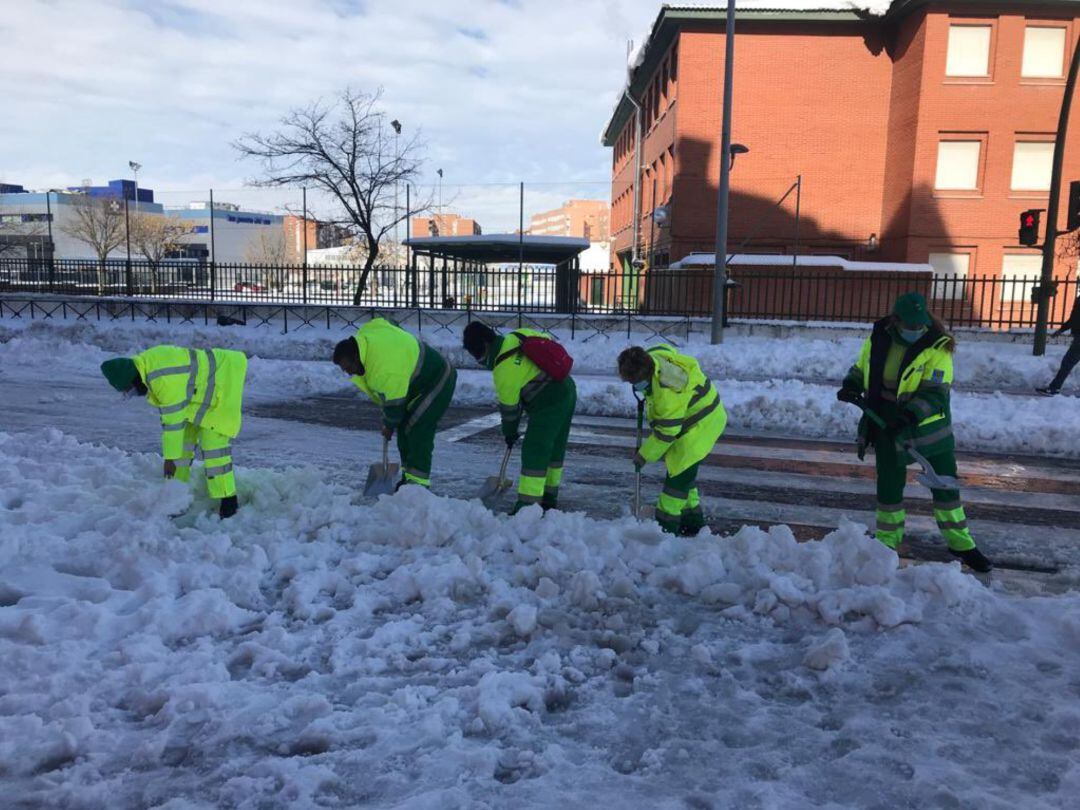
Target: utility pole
<point>720,270</point>
<point>135,168</point>
<point>397,169</point>
<point>1046,283</point>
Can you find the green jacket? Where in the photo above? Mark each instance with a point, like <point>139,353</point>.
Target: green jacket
<point>925,382</point>
<point>203,387</point>
<point>684,411</point>
<point>519,382</point>
<point>399,370</point>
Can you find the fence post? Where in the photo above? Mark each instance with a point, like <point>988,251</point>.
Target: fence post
<point>213,262</point>
<point>304,277</point>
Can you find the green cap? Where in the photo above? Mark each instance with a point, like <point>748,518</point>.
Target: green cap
<point>911,309</point>
<point>120,372</point>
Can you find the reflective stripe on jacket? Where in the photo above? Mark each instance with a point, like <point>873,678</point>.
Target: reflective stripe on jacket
<point>684,411</point>
<point>391,359</point>
<point>203,387</point>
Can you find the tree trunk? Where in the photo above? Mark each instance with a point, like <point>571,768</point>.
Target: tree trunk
<point>101,277</point>
<point>153,278</point>
<point>361,285</point>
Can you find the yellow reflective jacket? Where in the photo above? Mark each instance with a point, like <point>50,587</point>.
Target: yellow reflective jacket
<point>203,387</point>
<point>923,389</point>
<point>391,360</point>
<point>684,411</point>
<point>517,378</point>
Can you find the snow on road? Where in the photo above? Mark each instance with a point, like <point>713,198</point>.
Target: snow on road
<point>319,650</point>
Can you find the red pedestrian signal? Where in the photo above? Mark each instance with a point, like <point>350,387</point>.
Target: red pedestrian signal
<point>1029,227</point>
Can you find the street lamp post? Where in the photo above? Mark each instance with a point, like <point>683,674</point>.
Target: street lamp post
<point>720,257</point>
<point>396,125</point>
<point>135,168</point>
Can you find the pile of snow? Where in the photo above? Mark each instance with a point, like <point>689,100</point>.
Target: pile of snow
<point>425,652</point>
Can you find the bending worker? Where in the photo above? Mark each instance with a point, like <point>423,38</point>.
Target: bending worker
<point>687,418</point>
<point>904,375</point>
<point>410,381</point>
<point>523,386</point>
<point>198,393</point>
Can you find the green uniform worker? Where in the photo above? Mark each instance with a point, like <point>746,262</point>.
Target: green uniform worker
<point>521,386</point>
<point>410,381</point>
<point>198,393</point>
<point>904,374</point>
<point>687,418</point>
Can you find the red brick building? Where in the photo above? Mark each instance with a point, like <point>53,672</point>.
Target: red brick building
<point>586,219</point>
<point>920,134</point>
<point>444,225</point>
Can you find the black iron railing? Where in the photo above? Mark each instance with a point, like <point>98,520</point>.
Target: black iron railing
<point>759,293</point>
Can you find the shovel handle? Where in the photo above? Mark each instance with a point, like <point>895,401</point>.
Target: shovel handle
<point>505,464</point>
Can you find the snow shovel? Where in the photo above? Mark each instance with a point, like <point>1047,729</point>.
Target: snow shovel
<point>496,485</point>
<point>382,478</point>
<point>928,477</point>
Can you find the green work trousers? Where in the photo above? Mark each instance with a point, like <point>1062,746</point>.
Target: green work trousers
<point>544,446</point>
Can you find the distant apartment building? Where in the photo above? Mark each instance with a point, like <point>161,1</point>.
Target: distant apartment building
<point>920,134</point>
<point>296,240</point>
<point>585,219</point>
<point>444,225</point>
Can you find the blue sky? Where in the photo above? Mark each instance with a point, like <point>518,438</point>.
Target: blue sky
<point>503,91</point>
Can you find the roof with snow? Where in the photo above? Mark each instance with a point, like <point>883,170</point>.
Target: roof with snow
<point>646,57</point>
<point>501,247</point>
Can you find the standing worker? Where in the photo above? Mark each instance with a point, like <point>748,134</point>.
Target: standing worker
<point>198,393</point>
<point>410,381</point>
<point>532,374</point>
<point>904,375</point>
<point>1072,354</point>
<point>687,418</point>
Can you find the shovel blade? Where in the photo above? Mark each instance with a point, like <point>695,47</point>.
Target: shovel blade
<point>935,481</point>
<point>381,479</point>
<point>492,488</point>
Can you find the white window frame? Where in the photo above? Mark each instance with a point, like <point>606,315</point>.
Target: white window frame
<point>1025,265</point>
<point>948,150</point>
<point>943,290</point>
<point>957,63</point>
<point>1027,69</point>
<point>1025,166</point>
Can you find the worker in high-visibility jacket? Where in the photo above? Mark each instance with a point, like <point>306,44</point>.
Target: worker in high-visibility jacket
<point>904,375</point>
<point>410,382</point>
<point>521,387</point>
<point>686,417</point>
<point>198,394</point>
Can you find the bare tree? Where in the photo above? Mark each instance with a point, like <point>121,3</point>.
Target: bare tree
<point>155,237</point>
<point>269,248</point>
<point>98,223</point>
<point>348,150</point>
<point>17,230</point>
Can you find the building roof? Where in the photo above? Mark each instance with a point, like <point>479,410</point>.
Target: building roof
<point>501,247</point>
<point>646,57</point>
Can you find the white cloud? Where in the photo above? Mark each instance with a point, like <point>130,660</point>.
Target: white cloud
<point>503,91</point>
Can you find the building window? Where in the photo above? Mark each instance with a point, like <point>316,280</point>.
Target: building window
<point>969,50</point>
<point>949,271</point>
<point>1044,52</point>
<point>1017,267</point>
<point>958,165</point>
<point>1033,163</point>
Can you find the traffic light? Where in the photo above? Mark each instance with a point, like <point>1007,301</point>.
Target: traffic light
<point>1029,227</point>
<point>1073,221</point>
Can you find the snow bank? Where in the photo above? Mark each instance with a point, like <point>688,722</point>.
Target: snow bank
<point>420,651</point>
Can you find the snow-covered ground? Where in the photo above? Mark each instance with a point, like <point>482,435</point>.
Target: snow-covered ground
<point>782,386</point>
<point>320,650</point>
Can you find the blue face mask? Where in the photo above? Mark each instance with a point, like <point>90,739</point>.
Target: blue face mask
<point>641,387</point>
<point>912,335</point>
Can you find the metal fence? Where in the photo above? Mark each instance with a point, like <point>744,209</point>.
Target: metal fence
<point>757,293</point>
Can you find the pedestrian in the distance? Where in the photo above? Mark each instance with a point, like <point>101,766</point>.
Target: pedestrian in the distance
<point>1072,354</point>
<point>904,375</point>
<point>198,393</point>
<point>410,382</point>
<point>532,376</point>
<point>687,418</point>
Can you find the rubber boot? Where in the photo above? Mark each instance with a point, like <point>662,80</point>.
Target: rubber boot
<point>973,559</point>
<point>228,507</point>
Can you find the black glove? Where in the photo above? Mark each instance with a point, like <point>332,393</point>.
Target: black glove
<point>511,440</point>
<point>903,421</point>
<point>849,395</point>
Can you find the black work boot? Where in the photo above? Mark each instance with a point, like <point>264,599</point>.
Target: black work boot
<point>228,507</point>
<point>973,559</point>
<point>1049,391</point>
